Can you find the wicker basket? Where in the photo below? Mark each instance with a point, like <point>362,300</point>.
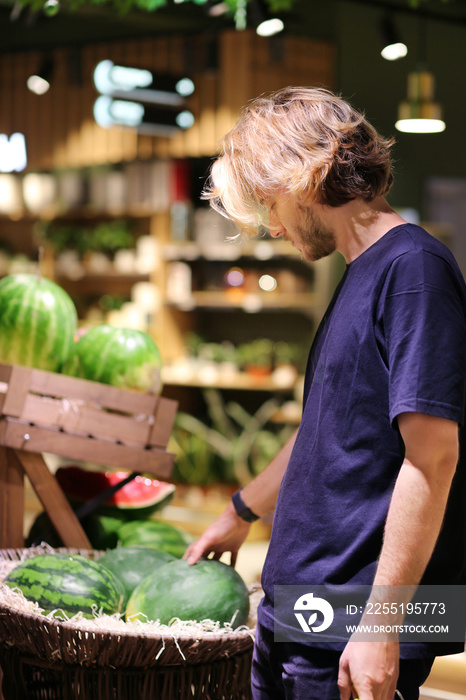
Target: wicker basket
<point>44,659</point>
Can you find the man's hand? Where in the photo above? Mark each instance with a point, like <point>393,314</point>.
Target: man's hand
<point>369,670</point>
<point>226,534</point>
<point>229,531</point>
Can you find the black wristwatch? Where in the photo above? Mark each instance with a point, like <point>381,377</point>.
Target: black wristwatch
<point>241,508</point>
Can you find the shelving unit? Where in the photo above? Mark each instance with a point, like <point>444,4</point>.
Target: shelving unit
<point>191,307</point>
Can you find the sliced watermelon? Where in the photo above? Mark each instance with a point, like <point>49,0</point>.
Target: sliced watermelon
<point>138,499</point>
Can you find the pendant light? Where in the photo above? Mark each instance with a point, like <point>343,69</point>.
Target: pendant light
<point>39,82</point>
<point>265,23</point>
<point>393,48</point>
<point>419,114</point>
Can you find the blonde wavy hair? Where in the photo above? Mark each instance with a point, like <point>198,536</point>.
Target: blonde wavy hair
<point>305,141</point>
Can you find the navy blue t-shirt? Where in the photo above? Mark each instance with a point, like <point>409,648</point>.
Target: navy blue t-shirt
<point>393,340</point>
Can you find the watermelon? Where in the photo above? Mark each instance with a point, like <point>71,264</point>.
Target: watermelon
<point>38,321</point>
<point>67,584</point>
<point>207,589</point>
<point>123,357</point>
<point>102,530</point>
<point>137,499</point>
<point>132,564</point>
<point>155,534</point>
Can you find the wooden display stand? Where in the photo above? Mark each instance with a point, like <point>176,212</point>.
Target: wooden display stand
<point>77,419</point>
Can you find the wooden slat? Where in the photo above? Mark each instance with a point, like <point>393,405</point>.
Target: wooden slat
<point>52,384</point>
<point>163,426</point>
<point>145,143</point>
<point>100,135</point>
<point>5,91</point>
<point>11,500</point>
<point>85,420</point>
<point>32,126</point>
<point>16,434</point>
<point>208,87</point>
<point>63,112</point>
<point>232,84</point>
<point>161,64</point>
<point>54,501</point>
<point>5,372</point>
<point>18,387</point>
<point>88,96</point>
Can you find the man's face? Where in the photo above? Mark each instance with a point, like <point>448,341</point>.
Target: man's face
<point>303,225</point>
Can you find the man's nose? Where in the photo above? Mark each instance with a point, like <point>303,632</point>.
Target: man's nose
<point>275,227</point>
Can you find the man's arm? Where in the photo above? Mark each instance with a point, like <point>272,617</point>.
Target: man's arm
<point>369,670</point>
<point>229,531</point>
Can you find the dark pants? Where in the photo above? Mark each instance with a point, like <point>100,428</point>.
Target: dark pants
<point>292,671</point>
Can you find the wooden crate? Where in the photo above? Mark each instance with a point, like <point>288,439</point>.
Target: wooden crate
<point>77,419</point>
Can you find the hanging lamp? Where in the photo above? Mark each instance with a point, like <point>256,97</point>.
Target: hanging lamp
<point>419,114</point>
<point>393,48</point>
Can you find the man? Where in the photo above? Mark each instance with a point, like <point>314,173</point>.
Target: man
<point>362,493</point>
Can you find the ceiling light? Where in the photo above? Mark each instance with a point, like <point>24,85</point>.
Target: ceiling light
<point>392,52</point>
<point>39,82</point>
<point>419,114</point>
<point>141,84</point>
<point>269,27</point>
<point>265,24</point>
<point>393,47</point>
<point>267,283</point>
<point>147,119</point>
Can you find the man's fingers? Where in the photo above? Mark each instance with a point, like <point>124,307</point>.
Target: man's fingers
<point>344,683</point>
<point>195,551</point>
<point>200,549</point>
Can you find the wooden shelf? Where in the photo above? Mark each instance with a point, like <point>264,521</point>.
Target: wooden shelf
<point>252,303</point>
<point>110,283</point>
<point>266,249</point>
<point>242,380</point>
<point>86,212</point>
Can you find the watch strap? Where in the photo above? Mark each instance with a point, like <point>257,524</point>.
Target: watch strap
<point>241,508</point>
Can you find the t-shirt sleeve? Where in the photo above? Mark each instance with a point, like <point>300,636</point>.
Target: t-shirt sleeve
<point>424,327</point>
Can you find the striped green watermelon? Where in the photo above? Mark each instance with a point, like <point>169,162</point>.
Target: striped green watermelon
<point>67,584</point>
<point>207,589</point>
<point>37,322</point>
<point>102,531</point>
<point>123,357</point>
<point>132,564</point>
<point>155,534</point>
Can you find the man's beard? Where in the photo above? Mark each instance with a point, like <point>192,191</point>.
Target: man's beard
<point>314,239</point>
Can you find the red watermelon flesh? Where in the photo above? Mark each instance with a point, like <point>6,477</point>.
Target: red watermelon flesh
<point>141,496</point>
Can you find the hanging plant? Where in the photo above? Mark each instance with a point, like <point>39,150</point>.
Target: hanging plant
<point>236,7</point>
